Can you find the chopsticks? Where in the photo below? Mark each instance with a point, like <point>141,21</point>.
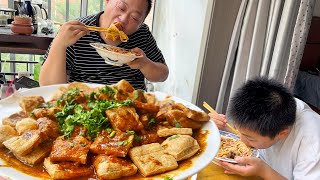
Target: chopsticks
<point>91,28</point>
<point>209,108</point>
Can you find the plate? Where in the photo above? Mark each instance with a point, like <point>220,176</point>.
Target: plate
<point>112,55</point>
<point>10,105</point>
<point>255,152</point>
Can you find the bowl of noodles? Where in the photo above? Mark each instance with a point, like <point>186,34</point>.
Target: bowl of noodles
<point>114,55</point>
<point>231,147</point>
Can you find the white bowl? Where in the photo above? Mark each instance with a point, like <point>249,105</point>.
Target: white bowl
<point>255,152</point>
<point>112,57</point>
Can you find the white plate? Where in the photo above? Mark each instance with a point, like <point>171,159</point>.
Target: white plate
<point>10,105</point>
<point>111,57</point>
<point>255,152</point>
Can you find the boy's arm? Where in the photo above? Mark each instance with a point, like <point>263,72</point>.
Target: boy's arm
<point>251,166</point>
<point>269,174</point>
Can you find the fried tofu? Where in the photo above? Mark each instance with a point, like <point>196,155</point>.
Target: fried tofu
<point>124,118</point>
<point>176,116</point>
<point>181,146</point>
<point>192,114</point>
<point>37,155</point>
<point>66,170</point>
<point>29,103</point>
<point>151,159</point>
<point>115,143</point>
<point>74,149</point>
<point>49,129</point>
<point>173,131</point>
<point>6,132</point>
<point>25,125</point>
<point>14,118</point>
<point>22,145</point>
<point>110,167</point>
<point>124,86</point>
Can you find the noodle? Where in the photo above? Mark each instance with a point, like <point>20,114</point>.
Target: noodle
<point>230,148</point>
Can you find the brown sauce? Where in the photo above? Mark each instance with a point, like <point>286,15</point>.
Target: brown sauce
<point>39,171</point>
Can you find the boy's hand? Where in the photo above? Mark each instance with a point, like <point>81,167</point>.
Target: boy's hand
<point>220,120</point>
<point>247,166</point>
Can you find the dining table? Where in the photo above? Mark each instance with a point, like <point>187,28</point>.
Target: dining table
<point>214,172</point>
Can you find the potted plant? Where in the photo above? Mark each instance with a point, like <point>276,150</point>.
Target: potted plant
<point>22,19</point>
<point>22,24</point>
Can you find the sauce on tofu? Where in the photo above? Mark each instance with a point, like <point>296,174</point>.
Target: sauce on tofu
<point>39,171</point>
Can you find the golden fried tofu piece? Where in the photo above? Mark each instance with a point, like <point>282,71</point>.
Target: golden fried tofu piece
<point>66,170</point>
<point>178,118</point>
<point>79,85</point>
<point>49,129</point>
<point>124,118</point>
<point>37,155</point>
<point>151,98</point>
<point>145,149</point>
<point>29,103</point>
<point>172,131</point>
<point>110,167</point>
<point>124,86</point>
<point>14,118</point>
<point>181,146</point>
<point>151,159</point>
<point>25,125</point>
<point>22,145</point>
<point>115,143</point>
<point>73,149</point>
<point>192,114</point>
<point>6,132</point>
<point>144,108</point>
<point>45,112</point>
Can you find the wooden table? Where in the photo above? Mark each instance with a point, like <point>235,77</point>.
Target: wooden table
<point>23,44</point>
<point>214,172</point>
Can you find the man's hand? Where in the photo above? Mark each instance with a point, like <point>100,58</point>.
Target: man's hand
<point>69,33</point>
<point>247,166</point>
<point>139,62</point>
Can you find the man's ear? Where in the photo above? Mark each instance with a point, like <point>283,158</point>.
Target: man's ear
<point>284,133</point>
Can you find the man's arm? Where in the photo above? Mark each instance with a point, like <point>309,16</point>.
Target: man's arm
<point>153,71</point>
<point>53,70</point>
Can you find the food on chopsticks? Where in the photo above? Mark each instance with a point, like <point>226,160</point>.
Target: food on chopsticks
<point>114,32</point>
<point>230,148</point>
<point>108,132</point>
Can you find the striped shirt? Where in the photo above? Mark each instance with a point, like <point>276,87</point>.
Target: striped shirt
<point>84,64</point>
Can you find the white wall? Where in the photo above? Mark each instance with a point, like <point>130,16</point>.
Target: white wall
<point>316,11</point>
<point>178,27</point>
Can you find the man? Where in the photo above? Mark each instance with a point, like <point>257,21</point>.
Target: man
<point>70,50</point>
<point>285,130</point>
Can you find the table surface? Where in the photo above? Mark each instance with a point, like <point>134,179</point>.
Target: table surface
<point>23,44</point>
<point>214,172</point>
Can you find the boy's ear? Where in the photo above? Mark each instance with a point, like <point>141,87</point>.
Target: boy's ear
<point>284,133</point>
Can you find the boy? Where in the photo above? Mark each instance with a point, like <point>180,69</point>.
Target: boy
<point>285,129</point>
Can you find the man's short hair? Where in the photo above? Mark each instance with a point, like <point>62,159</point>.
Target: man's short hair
<point>263,106</point>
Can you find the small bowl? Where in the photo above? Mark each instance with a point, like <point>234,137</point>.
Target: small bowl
<point>112,56</point>
<point>255,152</point>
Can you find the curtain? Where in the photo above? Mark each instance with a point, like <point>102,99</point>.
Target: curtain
<point>268,40</point>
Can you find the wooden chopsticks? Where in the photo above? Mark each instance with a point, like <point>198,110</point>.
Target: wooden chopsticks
<point>91,28</point>
<point>209,108</point>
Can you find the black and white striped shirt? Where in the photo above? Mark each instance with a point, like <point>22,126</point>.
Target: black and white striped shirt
<point>86,65</point>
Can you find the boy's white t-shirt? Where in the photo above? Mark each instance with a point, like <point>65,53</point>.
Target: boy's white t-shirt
<point>298,156</point>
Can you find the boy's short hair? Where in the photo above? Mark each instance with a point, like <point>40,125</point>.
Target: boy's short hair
<point>263,106</point>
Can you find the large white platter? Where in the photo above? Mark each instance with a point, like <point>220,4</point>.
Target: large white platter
<point>10,105</point>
